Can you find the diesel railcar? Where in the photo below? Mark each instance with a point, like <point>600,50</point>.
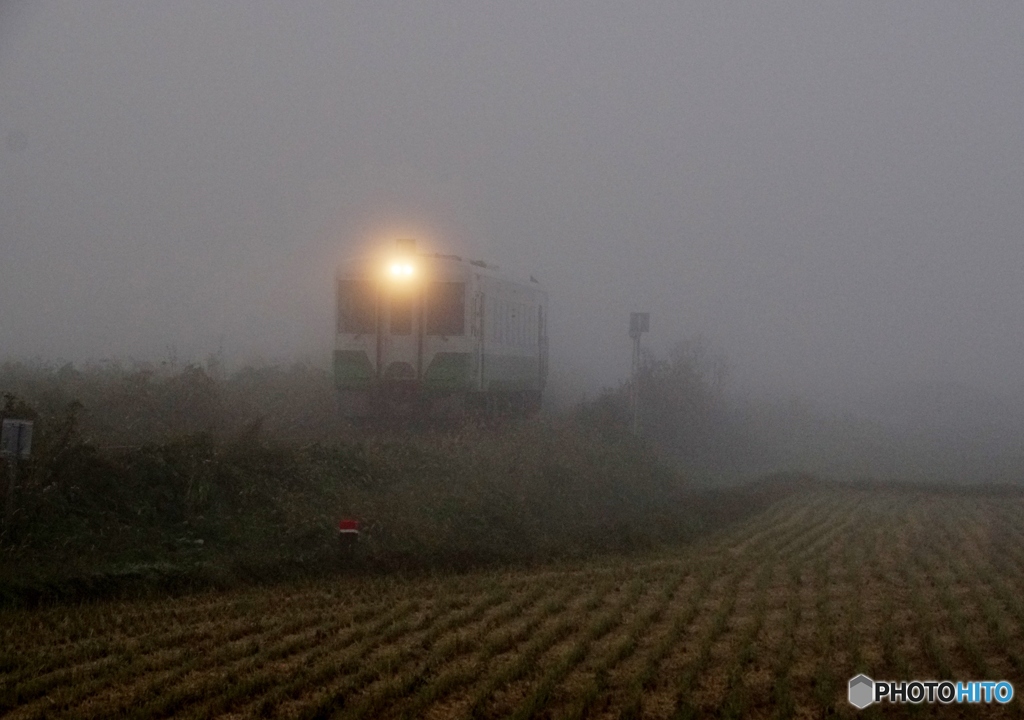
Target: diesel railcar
<point>437,334</point>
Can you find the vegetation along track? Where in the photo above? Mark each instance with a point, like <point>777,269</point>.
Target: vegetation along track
<point>769,619</point>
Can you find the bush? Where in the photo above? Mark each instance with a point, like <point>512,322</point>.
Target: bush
<point>224,500</point>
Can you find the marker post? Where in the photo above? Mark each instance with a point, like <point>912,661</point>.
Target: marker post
<point>15,444</point>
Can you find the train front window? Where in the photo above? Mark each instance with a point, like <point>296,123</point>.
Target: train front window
<point>446,308</point>
<point>401,314</point>
<point>357,307</point>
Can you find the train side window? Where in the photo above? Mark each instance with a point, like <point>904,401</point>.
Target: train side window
<point>357,307</point>
<point>446,308</point>
<point>401,314</point>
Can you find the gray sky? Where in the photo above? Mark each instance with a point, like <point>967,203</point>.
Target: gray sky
<point>833,192</point>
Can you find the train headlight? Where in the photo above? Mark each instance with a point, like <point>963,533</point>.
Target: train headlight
<point>401,270</point>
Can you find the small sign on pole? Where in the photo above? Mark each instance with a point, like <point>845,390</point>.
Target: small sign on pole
<point>15,443</point>
<point>16,438</point>
<point>348,532</point>
<point>639,323</point>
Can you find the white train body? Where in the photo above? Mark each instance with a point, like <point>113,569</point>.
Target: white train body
<point>437,331</point>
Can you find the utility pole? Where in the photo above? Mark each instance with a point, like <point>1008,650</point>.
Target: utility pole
<point>639,323</point>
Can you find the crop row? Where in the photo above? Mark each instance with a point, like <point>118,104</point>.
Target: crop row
<point>767,620</point>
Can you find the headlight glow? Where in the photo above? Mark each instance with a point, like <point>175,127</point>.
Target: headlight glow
<point>401,270</point>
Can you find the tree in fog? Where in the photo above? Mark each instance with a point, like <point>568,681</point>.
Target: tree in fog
<point>682,402</point>
<point>684,411</point>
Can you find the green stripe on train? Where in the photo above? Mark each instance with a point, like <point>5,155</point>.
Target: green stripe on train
<point>352,369</point>
<point>511,372</point>
<point>448,371</point>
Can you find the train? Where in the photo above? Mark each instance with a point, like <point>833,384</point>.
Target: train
<point>422,333</point>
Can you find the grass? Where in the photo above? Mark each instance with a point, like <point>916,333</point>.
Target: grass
<point>176,478</point>
<point>204,511</point>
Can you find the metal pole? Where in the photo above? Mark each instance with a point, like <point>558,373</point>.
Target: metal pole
<point>12,479</point>
<point>635,399</point>
<point>638,325</point>
<point>12,482</point>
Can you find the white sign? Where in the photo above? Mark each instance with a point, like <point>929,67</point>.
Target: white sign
<point>16,438</point>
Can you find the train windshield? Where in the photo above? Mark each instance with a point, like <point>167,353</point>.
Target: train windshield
<point>446,308</point>
<point>357,307</point>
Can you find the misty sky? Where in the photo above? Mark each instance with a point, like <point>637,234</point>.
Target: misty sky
<point>833,192</point>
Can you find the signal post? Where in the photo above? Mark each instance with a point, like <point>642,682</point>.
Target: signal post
<point>639,323</point>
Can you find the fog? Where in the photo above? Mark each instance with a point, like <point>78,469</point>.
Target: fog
<point>834,193</point>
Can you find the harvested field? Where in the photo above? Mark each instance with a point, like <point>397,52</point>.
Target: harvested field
<point>768,620</point>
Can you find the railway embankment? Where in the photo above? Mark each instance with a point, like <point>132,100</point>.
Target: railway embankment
<point>201,511</point>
